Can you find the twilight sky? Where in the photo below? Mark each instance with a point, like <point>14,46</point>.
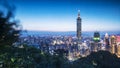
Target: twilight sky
<point>60,15</point>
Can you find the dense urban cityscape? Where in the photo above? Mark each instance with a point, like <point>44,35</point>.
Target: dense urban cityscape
<point>51,43</point>
<point>74,47</point>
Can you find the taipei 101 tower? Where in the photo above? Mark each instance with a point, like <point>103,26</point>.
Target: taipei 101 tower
<point>79,28</point>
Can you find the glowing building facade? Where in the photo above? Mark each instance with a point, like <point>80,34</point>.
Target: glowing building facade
<point>113,44</point>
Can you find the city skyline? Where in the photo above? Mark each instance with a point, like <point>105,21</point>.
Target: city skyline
<point>61,15</point>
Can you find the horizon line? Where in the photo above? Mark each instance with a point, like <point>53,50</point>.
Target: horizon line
<point>72,31</point>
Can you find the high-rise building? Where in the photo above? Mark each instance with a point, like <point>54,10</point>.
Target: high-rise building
<point>118,45</point>
<point>118,49</point>
<point>96,45</point>
<point>79,41</point>
<point>96,37</point>
<point>107,43</point>
<point>113,44</point>
<point>79,27</point>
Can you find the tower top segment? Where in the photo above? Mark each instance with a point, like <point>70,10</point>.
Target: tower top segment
<point>78,13</point>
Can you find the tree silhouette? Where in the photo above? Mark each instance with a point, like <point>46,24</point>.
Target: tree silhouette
<point>100,59</point>
<point>9,27</point>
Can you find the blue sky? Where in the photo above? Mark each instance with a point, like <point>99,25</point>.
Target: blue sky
<point>60,15</point>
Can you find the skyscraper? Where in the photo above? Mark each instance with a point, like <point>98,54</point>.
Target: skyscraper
<point>107,43</point>
<point>118,45</point>
<point>96,37</point>
<point>113,44</point>
<point>96,45</point>
<point>79,43</point>
<point>79,27</point>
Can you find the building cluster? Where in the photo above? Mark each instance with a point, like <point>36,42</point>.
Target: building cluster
<point>50,43</point>
<point>69,46</point>
<point>113,44</point>
<point>74,46</point>
<point>109,43</point>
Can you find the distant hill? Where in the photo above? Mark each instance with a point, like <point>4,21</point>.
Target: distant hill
<point>68,33</point>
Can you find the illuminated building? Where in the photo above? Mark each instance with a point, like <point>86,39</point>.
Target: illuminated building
<point>107,43</point>
<point>113,44</point>
<point>118,45</point>
<point>96,45</point>
<point>96,37</point>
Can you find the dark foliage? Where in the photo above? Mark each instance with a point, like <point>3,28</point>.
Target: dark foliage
<point>101,59</point>
<point>29,57</point>
<point>9,28</point>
